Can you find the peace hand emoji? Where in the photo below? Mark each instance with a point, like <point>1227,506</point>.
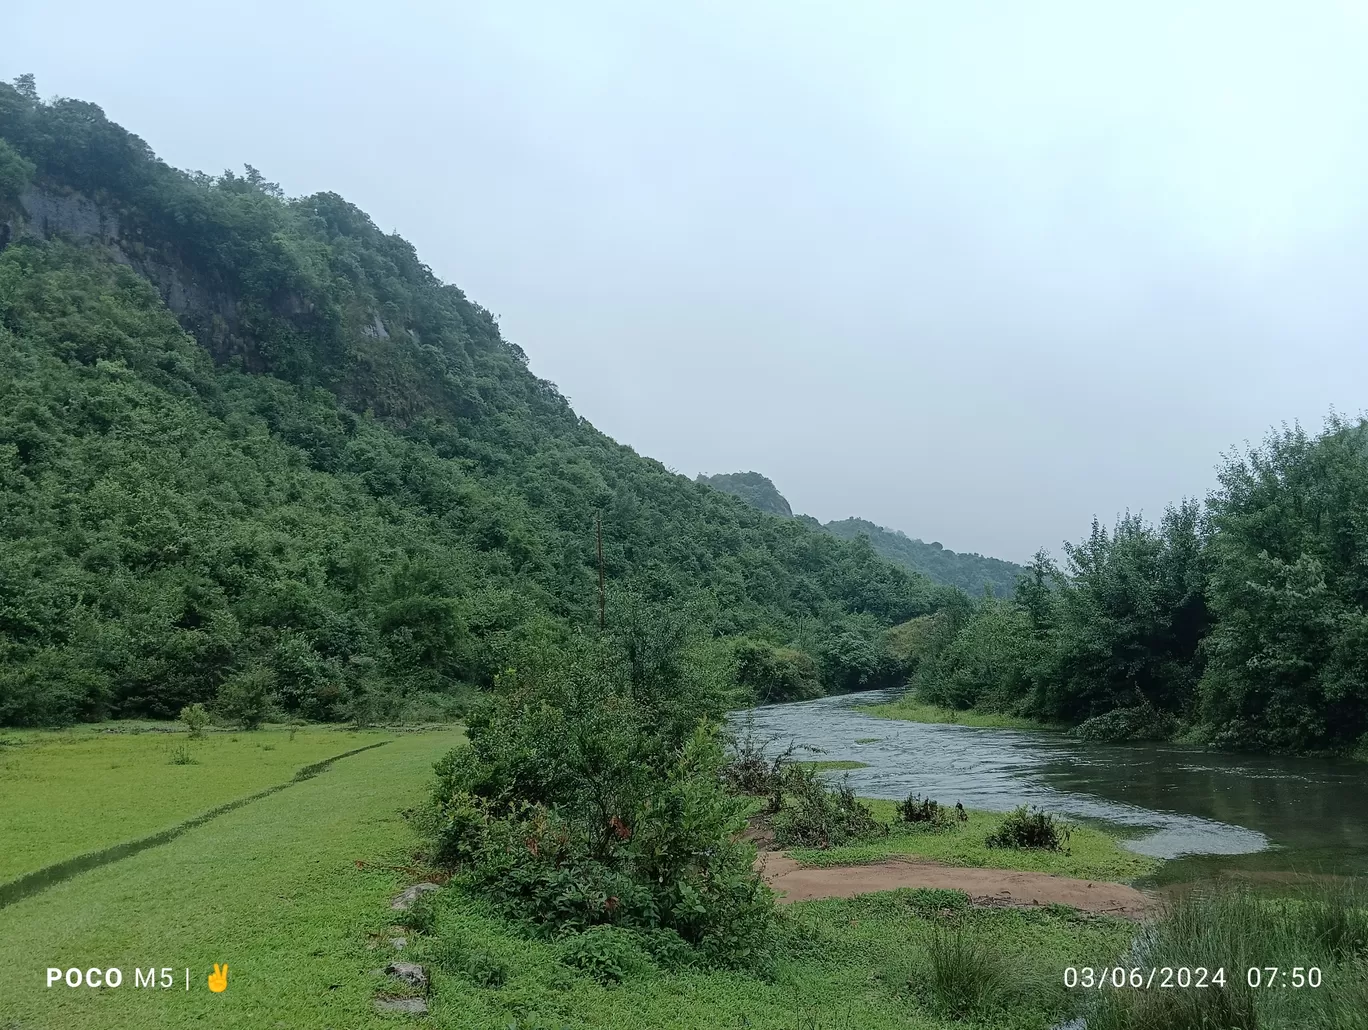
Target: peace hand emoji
<point>218,981</point>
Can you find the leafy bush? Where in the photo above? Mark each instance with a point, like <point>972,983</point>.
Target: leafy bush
<point>815,816</point>
<point>1139,723</point>
<point>421,914</point>
<point>248,698</point>
<point>933,900</point>
<point>587,795</point>
<point>196,719</point>
<point>924,813</point>
<point>771,674</point>
<point>1029,827</point>
<point>486,970</point>
<point>749,769</point>
<point>606,953</point>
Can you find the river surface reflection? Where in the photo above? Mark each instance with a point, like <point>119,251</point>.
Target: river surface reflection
<point>1209,811</point>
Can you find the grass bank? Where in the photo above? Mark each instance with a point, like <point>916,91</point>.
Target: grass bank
<point>283,889</point>
<point>1092,854</point>
<point>911,710</point>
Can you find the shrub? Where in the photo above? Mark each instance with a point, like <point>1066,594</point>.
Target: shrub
<point>815,816</point>
<point>196,719</point>
<point>486,970</point>
<point>772,673</point>
<point>420,916</point>
<point>749,769</point>
<point>248,698</point>
<point>606,953</point>
<point>1142,723</point>
<point>924,813</point>
<point>587,796</point>
<point>932,900</point>
<point>1029,827</point>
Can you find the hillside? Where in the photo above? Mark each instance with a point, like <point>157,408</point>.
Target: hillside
<point>252,448</point>
<point>753,488</point>
<point>970,572</point>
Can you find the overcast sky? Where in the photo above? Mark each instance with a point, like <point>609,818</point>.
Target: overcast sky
<point>976,271</point>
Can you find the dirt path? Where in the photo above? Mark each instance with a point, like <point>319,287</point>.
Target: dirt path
<point>1001,887</point>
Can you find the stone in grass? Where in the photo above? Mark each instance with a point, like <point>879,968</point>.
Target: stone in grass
<point>398,943</point>
<point>406,899</point>
<point>414,1006</point>
<point>410,973</point>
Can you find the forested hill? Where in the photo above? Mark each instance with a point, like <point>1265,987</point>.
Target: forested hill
<point>753,488</point>
<point>970,572</point>
<point>252,451</point>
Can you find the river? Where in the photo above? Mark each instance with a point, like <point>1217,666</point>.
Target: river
<point>1207,812</point>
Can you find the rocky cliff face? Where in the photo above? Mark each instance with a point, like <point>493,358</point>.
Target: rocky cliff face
<point>207,310</point>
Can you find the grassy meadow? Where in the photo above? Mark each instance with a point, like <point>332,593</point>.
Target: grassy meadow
<point>67,792</point>
<point>284,889</point>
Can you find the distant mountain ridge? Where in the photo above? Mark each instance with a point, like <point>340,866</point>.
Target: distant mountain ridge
<point>971,572</point>
<point>753,488</point>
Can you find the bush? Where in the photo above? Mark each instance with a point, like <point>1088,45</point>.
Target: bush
<point>928,901</point>
<point>196,719</point>
<point>749,769</point>
<point>772,673</point>
<point>1142,723</point>
<point>814,816</point>
<point>606,953</point>
<point>248,698</point>
<point>924,813</point>
<point>486,970</point>
<point>1029,827</point>
<point>586,796</point>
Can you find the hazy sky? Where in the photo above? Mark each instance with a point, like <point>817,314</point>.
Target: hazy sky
<point>977,271</point>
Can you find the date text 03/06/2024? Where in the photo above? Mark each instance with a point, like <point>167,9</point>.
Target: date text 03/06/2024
<point>1138,977</point>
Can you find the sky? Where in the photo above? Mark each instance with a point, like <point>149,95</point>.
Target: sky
<point>975,271</point>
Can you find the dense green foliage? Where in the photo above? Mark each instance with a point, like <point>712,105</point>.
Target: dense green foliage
<point>1243,621</point>
<point>590,794</point>
<point>972,573</point>
<point>252,447</point>
<point>753,488</point>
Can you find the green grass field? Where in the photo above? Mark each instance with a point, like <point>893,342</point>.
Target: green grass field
<point>67,792</point>
<point>911,710</point>
<point>285,889</point>
<point>1092,854</point>
<point>292,891</point>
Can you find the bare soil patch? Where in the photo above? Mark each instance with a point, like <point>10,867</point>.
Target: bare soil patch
<point>988,887</point>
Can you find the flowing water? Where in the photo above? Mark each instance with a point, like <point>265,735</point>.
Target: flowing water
<point>1209,812</point>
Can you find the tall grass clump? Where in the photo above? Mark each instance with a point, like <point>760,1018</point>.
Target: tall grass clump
<point>1029,827</point>
<point>1234,930</point>
<point>965,976</point>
